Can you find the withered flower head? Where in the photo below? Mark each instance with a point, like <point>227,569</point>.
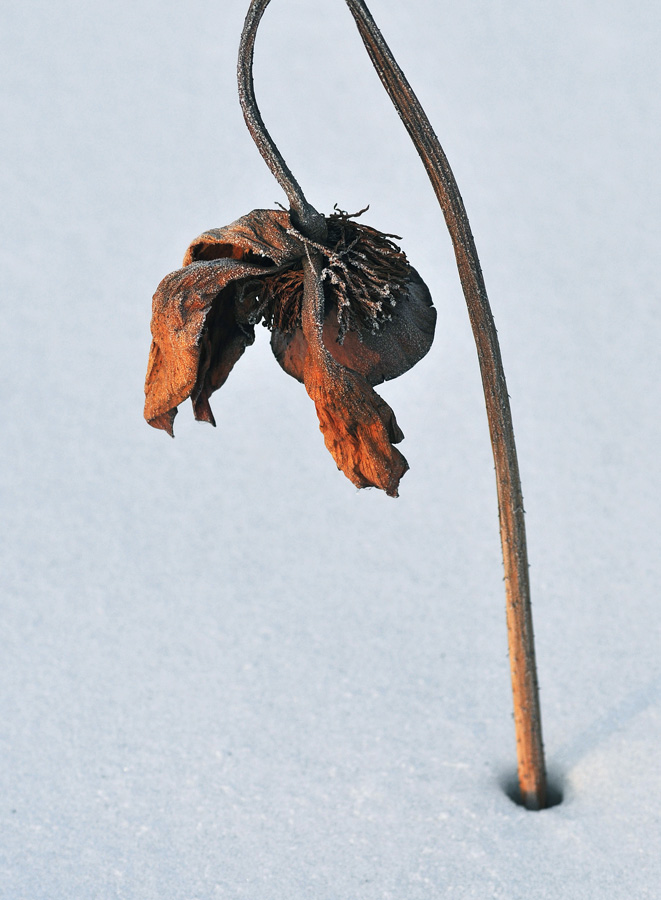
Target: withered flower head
<point>371,320</point>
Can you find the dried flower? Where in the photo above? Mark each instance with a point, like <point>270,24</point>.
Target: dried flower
<point>346,312</point>
<point>377,321</point>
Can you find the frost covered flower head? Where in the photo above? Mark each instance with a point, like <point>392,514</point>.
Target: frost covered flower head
<point>358,316</point>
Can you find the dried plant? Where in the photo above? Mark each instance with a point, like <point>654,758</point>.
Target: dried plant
<point>374,320</point>
<point>346,311</point>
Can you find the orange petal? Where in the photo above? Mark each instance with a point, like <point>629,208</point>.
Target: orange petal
<point>358,426</point>
<point>181,307</point>
<point>260,234</point>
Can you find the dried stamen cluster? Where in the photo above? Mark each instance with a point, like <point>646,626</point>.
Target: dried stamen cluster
<point>365,275</point>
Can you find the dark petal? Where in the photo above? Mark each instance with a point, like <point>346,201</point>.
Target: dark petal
<point>185,358</point>
<point>290,350</point>
<point>225,337</point>
<point>261,235</point>
<point>358,426</point>
<point>378,356</point>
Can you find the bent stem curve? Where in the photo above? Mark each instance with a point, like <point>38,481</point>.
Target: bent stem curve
<point>306,218</point>
<point>527,716</point>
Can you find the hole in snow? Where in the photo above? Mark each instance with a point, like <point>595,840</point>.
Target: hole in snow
<point>554,789</point>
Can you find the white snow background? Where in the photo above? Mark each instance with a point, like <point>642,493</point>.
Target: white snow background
<point>225,673</point>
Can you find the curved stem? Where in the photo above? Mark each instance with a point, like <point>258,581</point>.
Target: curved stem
<point>530,751</point>
<point>304,216</point>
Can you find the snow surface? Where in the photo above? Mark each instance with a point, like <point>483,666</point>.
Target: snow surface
<point>225,672</point>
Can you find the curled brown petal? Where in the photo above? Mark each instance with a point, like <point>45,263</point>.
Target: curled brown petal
<point>181,306</point>
<point>226,334</point>
<point>261,234</point>
<point>359,427</point>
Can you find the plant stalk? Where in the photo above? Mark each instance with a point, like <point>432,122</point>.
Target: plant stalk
<point>304,216</point>
<point>527,715</point>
